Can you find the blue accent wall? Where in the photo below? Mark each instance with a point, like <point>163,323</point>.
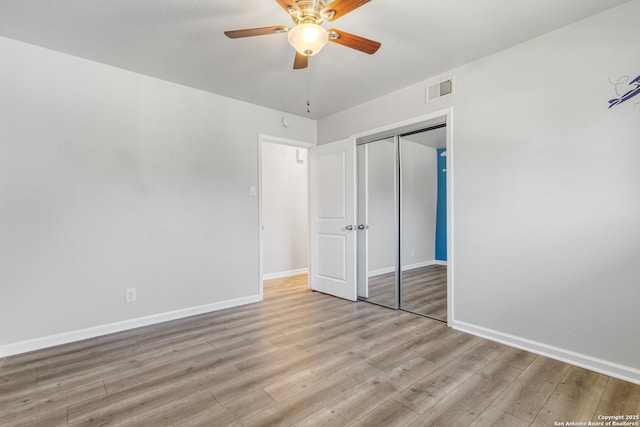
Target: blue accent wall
<point>441,209</point>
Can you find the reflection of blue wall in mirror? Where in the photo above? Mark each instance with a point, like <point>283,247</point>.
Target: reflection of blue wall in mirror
<point>441,210</point>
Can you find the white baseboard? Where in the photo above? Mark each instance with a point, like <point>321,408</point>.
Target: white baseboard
<point>408,267</point>
<point>281,274</point>
<point>381,271</point>
<point>96,331</point>
<point>626,373</point>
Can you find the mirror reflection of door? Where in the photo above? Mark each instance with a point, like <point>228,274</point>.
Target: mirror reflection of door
<point>423,223</point>
<point>377,213</point>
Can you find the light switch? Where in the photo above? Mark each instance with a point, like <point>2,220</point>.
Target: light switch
<point>301,155</point>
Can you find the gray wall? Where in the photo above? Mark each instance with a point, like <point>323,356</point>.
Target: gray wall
<point>110,180</point>
<point>546,245</point>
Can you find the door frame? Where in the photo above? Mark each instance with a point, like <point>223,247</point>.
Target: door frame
<point>447,114</point>
<point>263,138</point>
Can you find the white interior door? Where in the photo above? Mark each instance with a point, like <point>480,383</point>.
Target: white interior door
<point>332,268</point>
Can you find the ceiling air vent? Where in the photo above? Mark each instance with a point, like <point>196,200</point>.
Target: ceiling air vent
<point>440,89</point>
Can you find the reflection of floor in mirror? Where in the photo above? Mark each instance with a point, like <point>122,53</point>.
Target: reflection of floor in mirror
<point>424,290</point>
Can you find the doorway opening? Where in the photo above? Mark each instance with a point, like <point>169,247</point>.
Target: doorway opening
<point>402,216</point>
<point>284,229</point>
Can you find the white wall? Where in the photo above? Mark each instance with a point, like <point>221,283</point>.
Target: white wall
<point>110,180</point>
<point>546,244</point>
<point>284,210</point>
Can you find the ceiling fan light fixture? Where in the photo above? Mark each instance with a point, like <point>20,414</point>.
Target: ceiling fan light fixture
<point>308,38</point>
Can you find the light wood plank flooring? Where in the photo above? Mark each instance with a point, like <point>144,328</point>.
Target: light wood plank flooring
<point>424,290</point>
<point>306,359</point>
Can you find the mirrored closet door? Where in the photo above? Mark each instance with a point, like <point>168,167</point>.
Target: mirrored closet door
<point>423,284</point>
<point>402,222</point>
<point>377,219</point>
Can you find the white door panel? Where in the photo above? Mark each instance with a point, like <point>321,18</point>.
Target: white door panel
<point>331,256</point>
<point>332,211</point>
<point>331,185</point>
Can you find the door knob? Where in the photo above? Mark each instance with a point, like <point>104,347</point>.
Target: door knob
<point>351,227</point>
<point>363,227</point>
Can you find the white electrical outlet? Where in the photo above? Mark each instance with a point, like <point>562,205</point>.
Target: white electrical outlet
<point>130,295</point>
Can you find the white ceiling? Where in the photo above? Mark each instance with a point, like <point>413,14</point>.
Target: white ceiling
<point>434,138</point>
<point>182,41</point>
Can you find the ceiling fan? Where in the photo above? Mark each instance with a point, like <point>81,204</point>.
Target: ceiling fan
<point>308,36</point>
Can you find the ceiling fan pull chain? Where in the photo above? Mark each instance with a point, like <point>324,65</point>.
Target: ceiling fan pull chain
<point>309,88</point>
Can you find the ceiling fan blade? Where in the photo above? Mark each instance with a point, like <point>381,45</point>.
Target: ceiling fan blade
<point>301,61</point>
<point>288,5</point>
<point>250,32</point>
<point>353,41</point>
<point>338,8</point>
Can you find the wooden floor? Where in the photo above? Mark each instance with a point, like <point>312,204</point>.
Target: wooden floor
<point>424,290</point>
<point>306,359</point>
